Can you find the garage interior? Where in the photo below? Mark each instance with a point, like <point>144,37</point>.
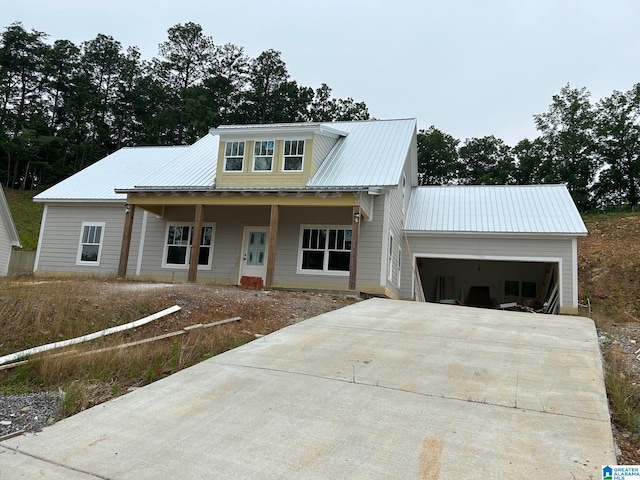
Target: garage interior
<point>508,285</point>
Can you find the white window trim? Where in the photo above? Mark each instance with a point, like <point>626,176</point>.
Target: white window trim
<point>79,253</point>
<point>273,156</point>
<point>284,156</point>
<point>398,267</point>
<point>224,165</point>
<point>404,192</point>
<point>165,247</point>
<point>390,258</point>
<point>333,273</point>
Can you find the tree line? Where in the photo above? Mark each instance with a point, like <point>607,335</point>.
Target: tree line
<point>593,148</point>
<point>64,106</point>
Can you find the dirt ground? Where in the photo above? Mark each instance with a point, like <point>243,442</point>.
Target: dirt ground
<point>259,310</point>
<point>609,282</point>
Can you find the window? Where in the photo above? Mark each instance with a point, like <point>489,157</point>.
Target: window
<point>514,288</point>
<point>390,258</point>
<point>178,246</point>
<point>404,191</point>
<point>324,249</point>
<point>293,154</point>
<point>263,156</point>
<point>90,246</point>
<point>233,156</point>
<point>398,263</point>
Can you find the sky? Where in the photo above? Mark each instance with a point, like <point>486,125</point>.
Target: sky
<point>468,67</point>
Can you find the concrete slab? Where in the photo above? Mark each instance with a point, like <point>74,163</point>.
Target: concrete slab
<point>380,389</point>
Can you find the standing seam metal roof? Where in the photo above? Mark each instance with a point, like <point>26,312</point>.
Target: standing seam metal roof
<point>519,209</point>
<point>123,168</point>
<point>194,167</point>
<point>372,154</point>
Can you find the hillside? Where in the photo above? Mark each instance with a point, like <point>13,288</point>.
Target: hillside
<point>26,215</point>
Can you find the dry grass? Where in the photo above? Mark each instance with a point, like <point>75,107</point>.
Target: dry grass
<point>33,313</point>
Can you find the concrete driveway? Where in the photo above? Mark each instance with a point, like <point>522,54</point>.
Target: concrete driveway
<point>380,389</point>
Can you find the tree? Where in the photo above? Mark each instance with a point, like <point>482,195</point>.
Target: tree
<point>618,145</point>
<point>438,162</point>
<point>21,76</point>
<point>187,61</point>
<point>486,161</point>
<point>531,162</point>
<point>268,76</point>
<point>567,131</point>
<point>324,108</point>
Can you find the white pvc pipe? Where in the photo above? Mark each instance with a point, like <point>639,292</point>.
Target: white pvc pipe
<point>92,336</point>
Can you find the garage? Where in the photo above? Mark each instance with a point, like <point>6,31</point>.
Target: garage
<point>518,285</point>
<point>510,247</point>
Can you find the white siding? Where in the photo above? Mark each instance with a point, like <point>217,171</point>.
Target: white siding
<point>498,248</point>
<point>322,145</point>
<point>61,237</point>
<point>5,247</point>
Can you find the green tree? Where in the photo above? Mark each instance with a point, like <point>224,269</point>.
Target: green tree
<point>567,131</point>
<point>486,161</point>
<point>188,55</point>
<point>22,56</point>
<point>618,145</point>
<point>531,162</point>
<point>438,162</point>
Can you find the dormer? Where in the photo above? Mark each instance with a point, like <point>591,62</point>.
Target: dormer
<point>272,156</point>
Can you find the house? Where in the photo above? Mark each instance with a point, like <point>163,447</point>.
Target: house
<point>8,235</point>
<point>328,206</point>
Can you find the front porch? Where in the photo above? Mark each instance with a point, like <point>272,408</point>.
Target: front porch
<point>304,241</point>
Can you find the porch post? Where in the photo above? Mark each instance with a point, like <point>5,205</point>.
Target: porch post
<point>353,258</point>
<point>195,244</point>
<point>126,240</point>
<point>271,251</point>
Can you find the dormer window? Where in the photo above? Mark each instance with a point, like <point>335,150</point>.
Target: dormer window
<point>293,153</point>
<point>233,156</point>
<point>263,156</point>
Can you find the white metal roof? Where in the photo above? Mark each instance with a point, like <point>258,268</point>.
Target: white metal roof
<point>193,167</point>
<point>519,209</point>
<point>122,169</point>
<point>5,213</point>
<point>372,154</point>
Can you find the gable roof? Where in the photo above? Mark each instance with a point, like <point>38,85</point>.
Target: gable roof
<point>371,155</point>
<point>367,153</point>
<point>7,219</point>
<point>123,168</point>
<point>517,209</point>
<point>194,167</point>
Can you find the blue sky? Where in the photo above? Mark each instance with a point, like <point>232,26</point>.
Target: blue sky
<point>469,67</point>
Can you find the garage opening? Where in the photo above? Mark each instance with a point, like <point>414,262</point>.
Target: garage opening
<point>515,285</point>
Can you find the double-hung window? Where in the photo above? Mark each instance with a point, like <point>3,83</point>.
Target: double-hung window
<point>390,258</point>
<point>263,156</point>
<point>233,156</point>
<point>324,249</point>
<point>293,155</point>
<point>177,249</point>
<point>90,246</point>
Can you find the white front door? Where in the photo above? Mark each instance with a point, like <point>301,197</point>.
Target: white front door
<point>253,262</point>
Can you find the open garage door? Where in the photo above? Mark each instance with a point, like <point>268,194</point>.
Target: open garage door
<point>518,285</point>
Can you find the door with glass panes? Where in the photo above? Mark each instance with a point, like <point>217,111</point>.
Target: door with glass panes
<point>253,261</point>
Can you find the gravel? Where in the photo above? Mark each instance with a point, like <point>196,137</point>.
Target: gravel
<point>28,412</point>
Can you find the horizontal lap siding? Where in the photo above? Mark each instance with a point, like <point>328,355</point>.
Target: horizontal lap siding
<point>474,246</point>
<point>61,237</point>
<point>370,246</point>
<point>288,245</point>
<point>5,247</point>
<point>227,240</point>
